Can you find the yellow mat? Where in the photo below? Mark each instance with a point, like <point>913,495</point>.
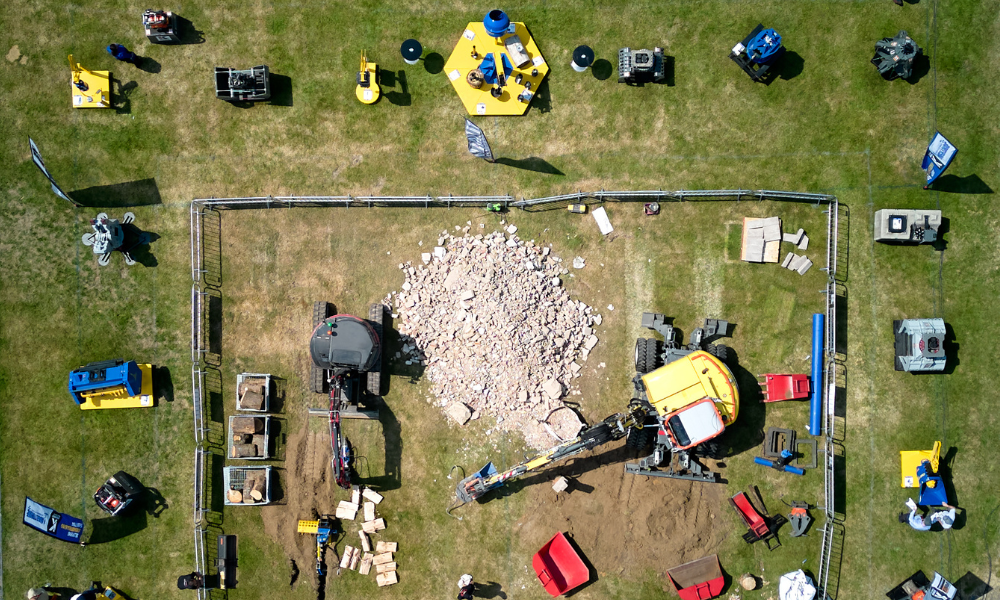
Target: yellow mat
<point>911,459</point>
<point>480,101</point>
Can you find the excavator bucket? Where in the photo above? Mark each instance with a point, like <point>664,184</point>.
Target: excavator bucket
<point>472,487</point>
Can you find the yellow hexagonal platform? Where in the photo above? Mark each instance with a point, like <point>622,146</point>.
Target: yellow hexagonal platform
<point>480,101</point>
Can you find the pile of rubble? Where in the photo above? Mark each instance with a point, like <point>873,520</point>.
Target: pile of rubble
<point>498,334</point>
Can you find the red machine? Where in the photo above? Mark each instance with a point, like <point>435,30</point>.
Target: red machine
<point>699,579</point>
<point>785,387</point>
<point>559,566</point>
<point>761,528</point>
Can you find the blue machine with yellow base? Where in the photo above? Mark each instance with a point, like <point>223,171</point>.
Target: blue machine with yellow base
<point>112,383</point>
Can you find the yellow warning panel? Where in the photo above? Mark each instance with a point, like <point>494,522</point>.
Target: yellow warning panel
<point>91,89</point>
<point>116,397</point>
<point>470,51</point>
<point>308,526</point>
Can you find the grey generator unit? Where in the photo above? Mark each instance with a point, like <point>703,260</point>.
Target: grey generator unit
<point>919,345</point>
<point>248,85</point>
<point>641,66</point>
<point>904,226</point>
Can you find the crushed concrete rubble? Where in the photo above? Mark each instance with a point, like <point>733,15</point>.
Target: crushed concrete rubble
<point>497,334</point>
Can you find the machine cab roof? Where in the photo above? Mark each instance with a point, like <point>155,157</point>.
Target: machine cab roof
<point>690,379</point>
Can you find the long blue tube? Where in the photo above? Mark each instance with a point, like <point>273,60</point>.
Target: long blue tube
<point>816,402</point>
<point>786,468</point>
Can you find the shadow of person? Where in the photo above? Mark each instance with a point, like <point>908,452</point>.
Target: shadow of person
<point>163,384</point>
<point>402,97</point>
<point>149,65</point>
<point>490,589</point>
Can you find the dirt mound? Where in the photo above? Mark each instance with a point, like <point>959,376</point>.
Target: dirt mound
<point>308,492</point>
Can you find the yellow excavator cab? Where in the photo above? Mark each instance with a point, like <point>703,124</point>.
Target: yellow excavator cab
<point>687,380</point>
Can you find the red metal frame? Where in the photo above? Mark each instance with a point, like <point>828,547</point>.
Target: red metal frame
<point>785,387</point>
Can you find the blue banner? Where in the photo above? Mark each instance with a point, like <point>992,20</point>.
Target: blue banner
<point>50,522</point>
<point>478,146</point>
<point>940,153</point>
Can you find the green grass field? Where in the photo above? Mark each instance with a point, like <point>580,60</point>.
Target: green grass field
<point>828,124</point>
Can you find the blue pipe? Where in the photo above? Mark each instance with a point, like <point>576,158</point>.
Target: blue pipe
<point>816,402</point>
<point>786,468</point>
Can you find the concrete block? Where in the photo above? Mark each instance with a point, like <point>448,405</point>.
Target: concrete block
<point>788,259</point>
<point>798,235</point>
<point>804,244</point>
<point>772,233</point>
<point>796,262</point>
<point>804,267</point>
<point>560,484</point>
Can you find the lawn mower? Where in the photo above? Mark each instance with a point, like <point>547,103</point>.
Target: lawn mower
<point>758,52</point>
<point>117,493</point>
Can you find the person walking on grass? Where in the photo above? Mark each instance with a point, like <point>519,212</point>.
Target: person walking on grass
<point>120,52</point>
<point>466,587</point>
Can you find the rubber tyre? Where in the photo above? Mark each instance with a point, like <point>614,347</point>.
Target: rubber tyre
<point>640,355</point>
<point>318,378</point>
<point>652,355</point>
<point>321,310</point>
<point>709,450</point>
<point>639,439</point>
<point>721,352</point>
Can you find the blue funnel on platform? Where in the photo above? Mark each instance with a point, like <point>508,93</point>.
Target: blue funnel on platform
<point>496,22</point>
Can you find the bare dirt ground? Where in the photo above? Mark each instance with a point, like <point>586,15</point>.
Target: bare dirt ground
<point>309,490</point>
<point>624,523</point>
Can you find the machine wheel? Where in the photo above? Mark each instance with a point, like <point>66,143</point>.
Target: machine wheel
<point>720,351</point>
<point>640,355</point>
<point>639,439</point>
<point>652,355</point>
<point>321,310</point>
<point>709,450</point>
<point>319,383</point>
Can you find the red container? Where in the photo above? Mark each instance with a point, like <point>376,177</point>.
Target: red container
<point>559,567</point>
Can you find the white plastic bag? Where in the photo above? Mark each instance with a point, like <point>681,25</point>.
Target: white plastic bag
<point>796,586</point>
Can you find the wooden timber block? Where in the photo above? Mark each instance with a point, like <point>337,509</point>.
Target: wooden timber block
<point>386,546</point>
<point>347,510</point>
<point>372,495</point>
<point>381,559</point>
<point>369,511</point>
<point>243,450</point>
<point>248,425</point>
<point>345,560</point>
<point>385,567</point>
<point>355,559</point>
<point>385,579</point>
<point>373,526</point>
<point>366,563</point>
<point>771,251</point>
<point>236,497</point>
<point>366,545</point>
<point>560,484</point>
<point>252,399</point>
<point>260,443</point>
<point>356,496</point>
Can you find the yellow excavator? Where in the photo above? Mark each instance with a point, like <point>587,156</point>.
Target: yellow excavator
<point>685,395</point>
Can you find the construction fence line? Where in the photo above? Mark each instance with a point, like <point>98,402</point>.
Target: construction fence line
<point>828,572</point>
